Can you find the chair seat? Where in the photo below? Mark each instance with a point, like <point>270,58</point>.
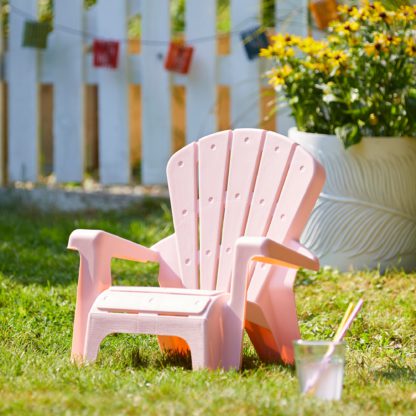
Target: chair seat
<point>156,300</point>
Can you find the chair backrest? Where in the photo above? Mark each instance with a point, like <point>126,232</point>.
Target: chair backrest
<point>232,183</point>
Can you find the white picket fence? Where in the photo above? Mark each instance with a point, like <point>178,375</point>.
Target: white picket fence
<point>67,65</point>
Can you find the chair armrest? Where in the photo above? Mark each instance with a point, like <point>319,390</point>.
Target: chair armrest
<point>106,245</point>
<point>264,250</point>
<point>278,254</point>
<point>96,249</point>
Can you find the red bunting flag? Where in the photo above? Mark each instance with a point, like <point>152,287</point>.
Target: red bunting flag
<point>106,53</point>
<point>179,57</point>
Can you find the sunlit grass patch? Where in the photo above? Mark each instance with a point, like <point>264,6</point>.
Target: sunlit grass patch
<point>37,299</point>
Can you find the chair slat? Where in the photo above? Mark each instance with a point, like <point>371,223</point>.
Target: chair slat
<point>275,160</point>
<point>302,185</point>
<point>245,155</point>
<point>183,182</point>
<point>297,198</point>
<point>213,158</point>
<point>277,155</point>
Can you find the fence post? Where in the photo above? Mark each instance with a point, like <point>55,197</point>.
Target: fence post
<point>23,76</point>
<point>245,80</point>
<point>114,146</point>
<point>156,92</point>
<point>201,84</point>
<point>291,17</point>
<point>68,91</point>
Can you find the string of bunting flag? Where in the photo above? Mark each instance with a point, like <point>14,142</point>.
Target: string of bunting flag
<point>179,54</point>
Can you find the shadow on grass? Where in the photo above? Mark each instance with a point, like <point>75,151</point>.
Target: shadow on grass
<point>395,372</point>
<point>163,360</point>
<point>250,362</point>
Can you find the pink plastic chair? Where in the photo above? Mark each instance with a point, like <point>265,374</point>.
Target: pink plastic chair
<point>238,198</point>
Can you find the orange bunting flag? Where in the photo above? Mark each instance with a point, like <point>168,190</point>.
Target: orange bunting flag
<point>323,12</point>
<point>179,57</point>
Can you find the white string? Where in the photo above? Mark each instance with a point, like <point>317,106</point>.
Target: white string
<point>83,33</point>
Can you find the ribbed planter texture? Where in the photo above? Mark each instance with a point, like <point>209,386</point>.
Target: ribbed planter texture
<point>366,214</point>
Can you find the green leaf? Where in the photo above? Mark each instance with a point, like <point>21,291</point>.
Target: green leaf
<point>411,105</point>
<point>349,133</point>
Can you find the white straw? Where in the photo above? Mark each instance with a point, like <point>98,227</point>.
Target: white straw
<point>311,383</point>
<point>349,320</point>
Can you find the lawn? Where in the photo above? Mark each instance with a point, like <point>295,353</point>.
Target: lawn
<point>37,299</point>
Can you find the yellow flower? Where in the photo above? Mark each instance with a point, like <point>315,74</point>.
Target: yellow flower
<point>377,12</point>
<point>286,70</point>
<point>392,40</point>
<point>282,52</point>
<point>376,6</point>
<point>411,47</point>
<point>354,41</point>
<point>380,44</point>
<point>279,75</point>
<point>369,49</point>
<point>335,59</point>
<point>352,11</point>
<point>286,40</point>
<point>374,48</point>
<point>380,38</point>
<point>292,40</point>
<point>278,39</point>
<point>315,66</point>
<point>276,50</point>
<point>276,81</point>
<point>344,9</point>
<point>347,27</point>
<point>333,39</point>
<point>289,52</point>
<point>311,46</point>
<point>359,14</point>
<point>266,52</point>
<point>336,62</point>
<point>280,47</point>
<point>406,13</point>
<point>354,26</point>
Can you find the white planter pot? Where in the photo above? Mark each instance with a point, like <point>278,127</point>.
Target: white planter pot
<point>366,214</point>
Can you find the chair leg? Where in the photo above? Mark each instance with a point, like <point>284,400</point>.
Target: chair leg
<point>232,344</point>
<point>263,342</point>
<point>275,343</point>
<point>206,345</point>
<point>89,287</point>
<point>199,355</point>
<point>217,346</point>
<point>285,326</point>
<point>96,332</point>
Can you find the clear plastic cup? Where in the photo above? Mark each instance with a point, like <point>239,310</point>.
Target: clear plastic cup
<point>320,368</point>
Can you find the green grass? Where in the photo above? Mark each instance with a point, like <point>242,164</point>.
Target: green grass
<point>37,297</point>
